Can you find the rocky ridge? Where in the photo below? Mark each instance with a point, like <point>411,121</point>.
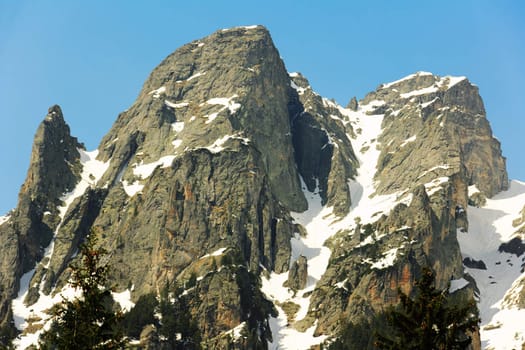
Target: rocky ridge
<point>289,212</point>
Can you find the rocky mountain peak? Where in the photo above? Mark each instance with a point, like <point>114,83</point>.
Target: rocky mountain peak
<point>424,87</point>
<point>54,164</point>
<point>274,208</point>
<point>54,170</point>
<point>220,92</point>
<point>452,110</point>
<point>200,61</point>
<point>54,111</point>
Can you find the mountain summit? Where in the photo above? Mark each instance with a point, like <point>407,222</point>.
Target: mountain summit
<point>277,214</point>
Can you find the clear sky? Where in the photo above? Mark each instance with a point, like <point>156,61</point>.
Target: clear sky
<point>91,57</point>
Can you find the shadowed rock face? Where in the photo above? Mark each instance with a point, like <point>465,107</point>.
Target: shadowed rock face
<point>204,169</point>
<point>323,152</point>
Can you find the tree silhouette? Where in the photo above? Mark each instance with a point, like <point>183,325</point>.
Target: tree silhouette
<point>429,321</point>
<point>432,320</point>
<point>87,322</point>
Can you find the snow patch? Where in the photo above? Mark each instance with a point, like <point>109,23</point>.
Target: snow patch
<point>240,27</point>
<point>227,103</point>
<point>156,93</point>
<point>177,126</point>
<point>473,189</point>
<point>368,108</point>
<point>4,218</point>
<point>218,252</point>
<point>453,80</point>
<point>133,188</point>
<point>407,141</point>
<point>408,77</point>
<point>211,117</point>
<point>289,338</point>
<point>123,299</point>
<point>458,284</point>
<point>426,104</point>
<point>505,331</point>
<point>145,170</point>
<point>196,75</point>
<point>236,332</point>
<point>218,145</point>
<point>389,257</point>
<point>329,103</point>
<point>176,105</point>
<point>443,82</point>
<point>437,167</point>
<point>176,143</point>
<point>435,185</point>
<point>297,88</point>
<point>424,91</point>
<point>316,220</point>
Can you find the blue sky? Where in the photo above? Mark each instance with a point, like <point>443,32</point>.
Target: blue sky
<point>92,57</point>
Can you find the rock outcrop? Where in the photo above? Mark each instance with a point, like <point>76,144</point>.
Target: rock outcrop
<point>54,169</point>
<point>434,127</point>
<point>298,274</point>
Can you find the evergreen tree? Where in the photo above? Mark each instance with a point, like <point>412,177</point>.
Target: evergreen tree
<point>87,322</point>
<point>429,321</point>
<point>7,333</point>
<point>355,335</point>
<point>140,315</point>
<point>177,324</point>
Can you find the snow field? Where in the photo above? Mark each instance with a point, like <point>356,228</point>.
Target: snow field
<point>490,226</point>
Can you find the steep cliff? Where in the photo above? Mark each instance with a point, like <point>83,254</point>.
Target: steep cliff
<point>54,169</point>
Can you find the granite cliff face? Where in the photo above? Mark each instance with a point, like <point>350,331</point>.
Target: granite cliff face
<point>281,213</point>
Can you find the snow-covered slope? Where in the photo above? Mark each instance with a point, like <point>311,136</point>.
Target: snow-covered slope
<point>321,224</point>
<point>502,324</point>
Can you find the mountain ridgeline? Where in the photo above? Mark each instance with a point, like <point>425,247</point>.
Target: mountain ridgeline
<point>215,177</point>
